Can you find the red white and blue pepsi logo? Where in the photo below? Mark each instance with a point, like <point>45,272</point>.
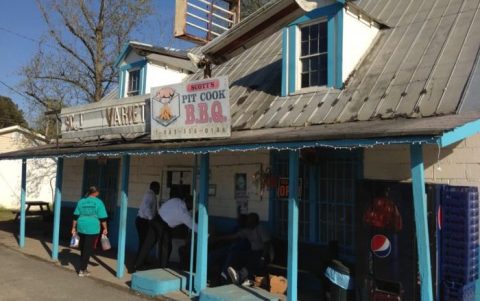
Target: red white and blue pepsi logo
<point>380,246</point>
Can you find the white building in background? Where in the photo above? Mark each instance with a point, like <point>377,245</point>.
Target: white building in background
<point>40,172</point>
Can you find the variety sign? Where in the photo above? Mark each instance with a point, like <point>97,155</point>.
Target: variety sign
<point>105,118</point>
<point>193,110</point>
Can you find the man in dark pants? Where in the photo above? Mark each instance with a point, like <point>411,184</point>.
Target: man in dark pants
<point>146,212</point>
<point>171,214</point>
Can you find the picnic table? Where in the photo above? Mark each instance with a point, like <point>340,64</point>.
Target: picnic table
<point>43,206</point>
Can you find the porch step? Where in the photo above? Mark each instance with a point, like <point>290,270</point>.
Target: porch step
<point>237,293</point>
<point>158,281</point>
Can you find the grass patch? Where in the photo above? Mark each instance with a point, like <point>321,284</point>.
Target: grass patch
<point>6,214</point>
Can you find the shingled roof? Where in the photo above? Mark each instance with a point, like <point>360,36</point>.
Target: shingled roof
<point>425,64</point>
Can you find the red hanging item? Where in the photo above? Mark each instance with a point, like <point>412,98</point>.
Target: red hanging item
<point>383,214</point>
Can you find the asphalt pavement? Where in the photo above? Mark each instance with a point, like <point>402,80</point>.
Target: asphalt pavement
<point>24,277</point>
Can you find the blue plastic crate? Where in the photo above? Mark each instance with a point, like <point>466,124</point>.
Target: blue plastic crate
<point>453,291</point>
<point>457,274</point>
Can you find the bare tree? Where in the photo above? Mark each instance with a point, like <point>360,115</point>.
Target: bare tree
<point>75,61</point>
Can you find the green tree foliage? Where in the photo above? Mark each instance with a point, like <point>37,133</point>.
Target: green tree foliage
<point>10,114</point>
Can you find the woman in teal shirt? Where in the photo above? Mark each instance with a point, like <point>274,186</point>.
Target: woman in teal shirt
<point>87,217</point>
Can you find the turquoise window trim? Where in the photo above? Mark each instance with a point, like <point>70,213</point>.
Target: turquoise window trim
<point>143,79</point>
<point>284,62</point>
<point>292,59</point>
<point>334,15</point>
<point>137,64</point>
<point>142,65</point>
<point>121,82</point>
<point>123,54</point>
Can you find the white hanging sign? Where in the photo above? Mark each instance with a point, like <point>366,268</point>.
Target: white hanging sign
<point>192,110</point>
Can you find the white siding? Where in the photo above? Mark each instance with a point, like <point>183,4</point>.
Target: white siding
<point>72,179</point>
<point>162,75</point>
<point>41,173</point>
<point>357,38</point>
<point>223,166</point>
<point>458,164</point>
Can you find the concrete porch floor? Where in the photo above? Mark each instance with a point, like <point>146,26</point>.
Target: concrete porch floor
<point>38,244</point>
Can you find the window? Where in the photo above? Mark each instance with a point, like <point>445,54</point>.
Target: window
<point>327,195</point>
<point>312,51</point>
<point>133,82</point>
<point>313,55</point>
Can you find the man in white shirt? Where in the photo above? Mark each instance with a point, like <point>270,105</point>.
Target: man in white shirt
<point>146,212</point>
<point>171,214</point>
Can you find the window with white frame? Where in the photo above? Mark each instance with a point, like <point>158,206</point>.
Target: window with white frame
<point>313,54</point>
<point>133,82</point>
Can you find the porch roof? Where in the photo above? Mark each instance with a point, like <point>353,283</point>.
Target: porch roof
<point>341,135</point>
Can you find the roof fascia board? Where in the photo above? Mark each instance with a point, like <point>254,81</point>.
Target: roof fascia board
<point>171,61</point>
<point>123,54</point>
<point>294,145</point>
<point>137,64</point>
<point>459,133</point>
<point>267,20</point>
<point>20,129</point>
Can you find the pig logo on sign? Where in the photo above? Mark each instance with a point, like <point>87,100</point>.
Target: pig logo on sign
<point>166,107</point>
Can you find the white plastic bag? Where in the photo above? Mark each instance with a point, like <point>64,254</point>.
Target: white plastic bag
<point>74,241</point>
<point>105,243</point>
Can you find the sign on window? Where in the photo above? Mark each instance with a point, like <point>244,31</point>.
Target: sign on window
<point>282,191</point>
<point>192,110</point>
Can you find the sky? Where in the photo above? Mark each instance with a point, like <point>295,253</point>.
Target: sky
<point>22,26</point>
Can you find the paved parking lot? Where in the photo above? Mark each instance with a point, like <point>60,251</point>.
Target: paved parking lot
<point>23,277</point>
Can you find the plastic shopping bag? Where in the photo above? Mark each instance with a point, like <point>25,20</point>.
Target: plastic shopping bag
<point>105,242</point>
<point>74,241</point>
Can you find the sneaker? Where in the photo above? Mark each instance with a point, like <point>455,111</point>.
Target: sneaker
<point>224,276</point>
<point>233,275</point>
<point>81,273</point>
<point>248,283</point>
<point>86,273</point>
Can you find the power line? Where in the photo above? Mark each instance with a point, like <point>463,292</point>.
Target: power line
<point>19,35</point>
<point>14,90</point>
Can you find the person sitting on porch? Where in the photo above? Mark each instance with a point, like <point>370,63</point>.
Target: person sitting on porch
<point>224,251</point>
<point>171,214</point>
<point>252,262</point>
<point>146,212</point>
<point>87,217</point>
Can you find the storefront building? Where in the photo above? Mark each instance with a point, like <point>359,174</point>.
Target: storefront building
<point>319,102</point>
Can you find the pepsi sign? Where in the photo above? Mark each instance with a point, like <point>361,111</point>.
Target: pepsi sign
<point>380,246</point>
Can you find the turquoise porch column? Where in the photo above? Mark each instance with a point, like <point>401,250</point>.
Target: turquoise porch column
<point>122,231</point>
<point>23,196</point>
<point>202,232</point>
<point>292,265</point>
<point>56,208</point>
<point>421,225</point>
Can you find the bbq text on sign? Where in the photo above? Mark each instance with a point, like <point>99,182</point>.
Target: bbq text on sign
<point>199,109</point>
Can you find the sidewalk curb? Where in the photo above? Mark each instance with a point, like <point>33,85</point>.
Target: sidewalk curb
<point>102,281</point>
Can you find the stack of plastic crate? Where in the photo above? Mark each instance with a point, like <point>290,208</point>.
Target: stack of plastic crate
<point>459,243</point>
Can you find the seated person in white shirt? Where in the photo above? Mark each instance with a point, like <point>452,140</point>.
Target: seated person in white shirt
<point>171,214</point>
<point>146,212</point>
